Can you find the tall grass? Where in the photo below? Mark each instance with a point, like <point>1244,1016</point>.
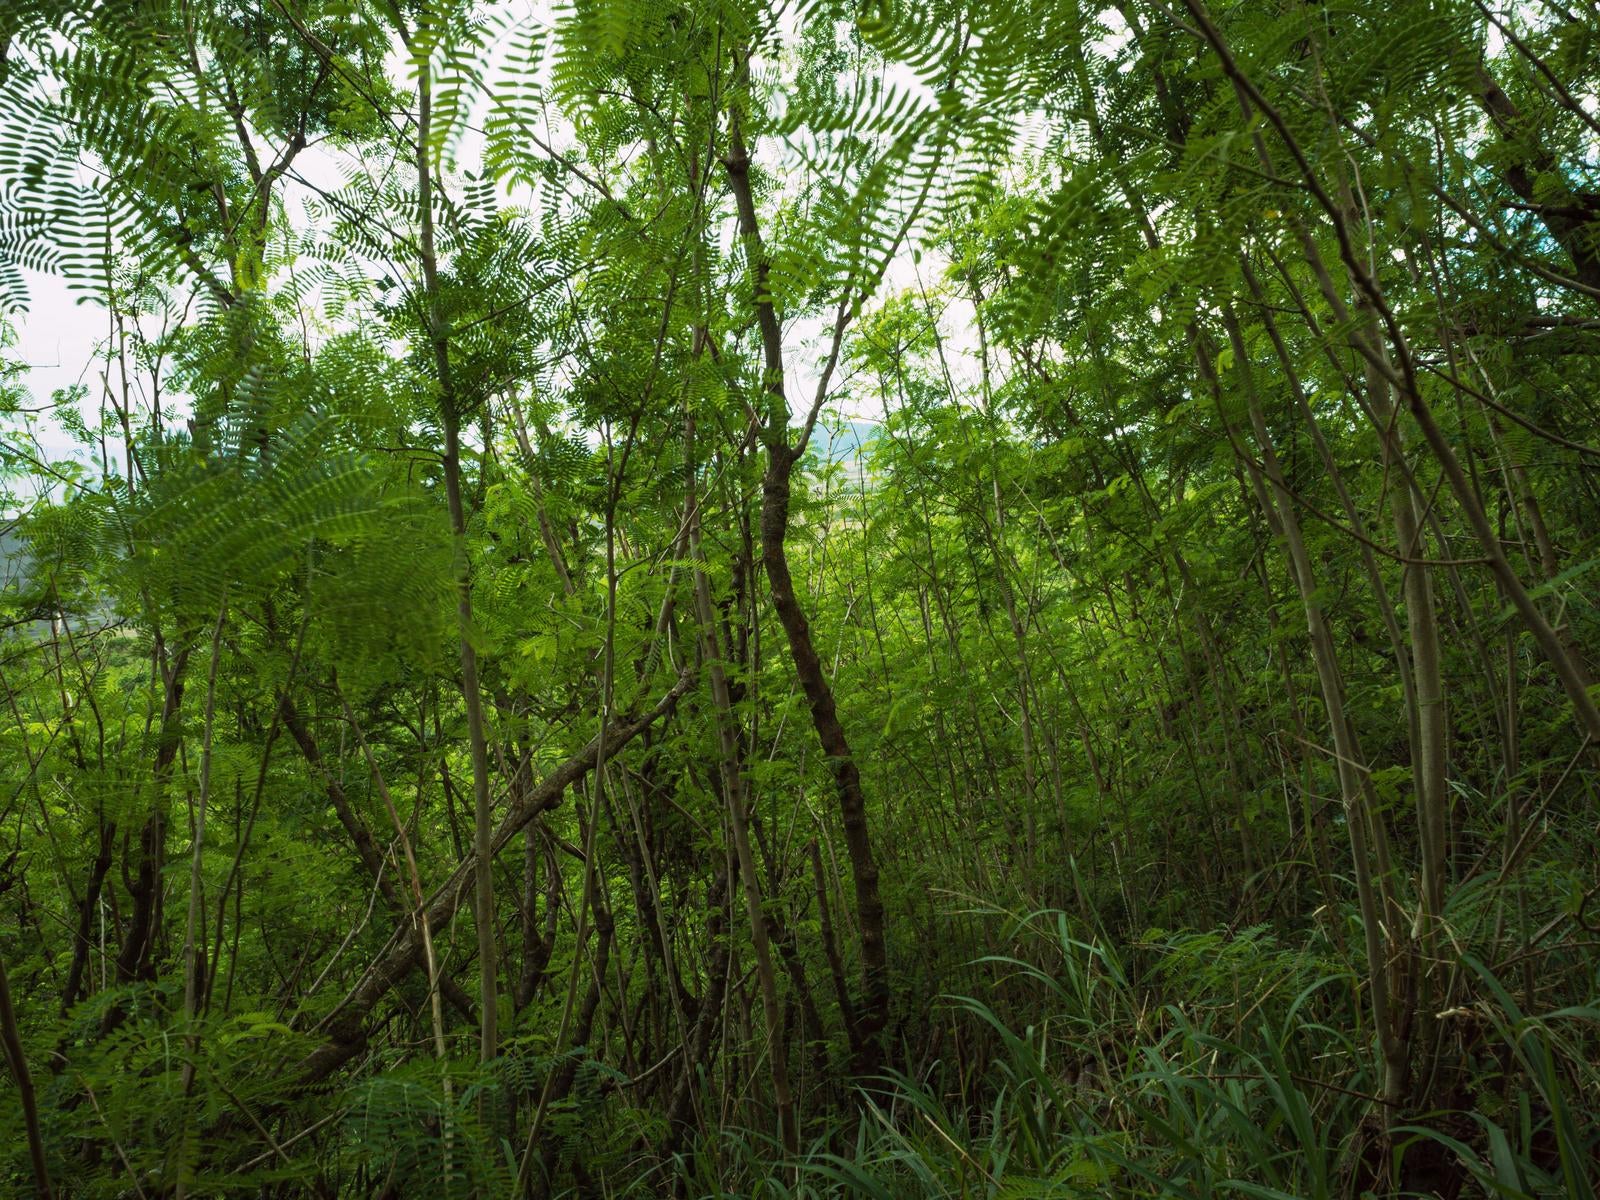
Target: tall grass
<point>1223,1064</point>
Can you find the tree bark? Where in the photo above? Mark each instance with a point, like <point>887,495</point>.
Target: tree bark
<point>734,792</point>
<point>361,838</point>
<point>344,1026</point>
<point>873,1013</point>
<point>11,1040</point>
<point>450,405</point>
<point>1574,220</point>
<point>133,962</point>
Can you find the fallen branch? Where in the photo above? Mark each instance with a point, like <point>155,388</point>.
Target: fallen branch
<point>345,1025</point>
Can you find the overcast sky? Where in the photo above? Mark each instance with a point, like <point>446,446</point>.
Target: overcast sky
<point>56,338</point>
<point>61,330</point>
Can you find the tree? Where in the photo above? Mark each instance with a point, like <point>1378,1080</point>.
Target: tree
<point>969,598</point>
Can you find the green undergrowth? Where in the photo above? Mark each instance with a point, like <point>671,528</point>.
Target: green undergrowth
<point>1198,1064</point>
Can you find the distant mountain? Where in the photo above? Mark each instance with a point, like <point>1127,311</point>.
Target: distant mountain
<point>838,441</point>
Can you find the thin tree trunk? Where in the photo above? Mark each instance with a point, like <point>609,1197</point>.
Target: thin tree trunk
<point>1278,505</point>
<point>450,405</point>
<point>361,838</point>
<point>193,939</point>
<point>419,918</point>
<point>830,944</point>
<point>11,1039</point>
<point>873,1014</point>
<point>343,1026</point>
<point>133,961</point>
<point>81,945</point>
<point>733,790</point>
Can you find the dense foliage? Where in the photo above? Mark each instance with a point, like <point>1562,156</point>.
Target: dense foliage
<point>882,598</point>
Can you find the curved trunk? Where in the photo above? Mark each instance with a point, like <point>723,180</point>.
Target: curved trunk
<point>873,1013</point>
<point>133,962</point>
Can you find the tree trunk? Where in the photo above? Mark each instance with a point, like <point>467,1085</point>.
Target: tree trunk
<point>133,962</point>
<point>873,1013</point>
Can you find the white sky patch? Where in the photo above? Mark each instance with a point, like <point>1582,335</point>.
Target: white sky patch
<point>64,336</point>
<point>58,338</point>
